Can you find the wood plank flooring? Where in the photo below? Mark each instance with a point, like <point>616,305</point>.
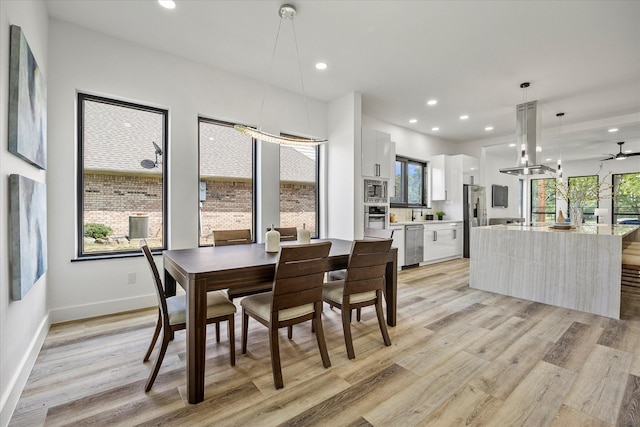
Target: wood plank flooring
<point>459,356</point>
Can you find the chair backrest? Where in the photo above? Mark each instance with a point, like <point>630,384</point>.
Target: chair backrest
<point>287,233</point>
<point>367,265</point>
<point>162,301</point>
<point>299,275</point>
<point>376,233</point>
<point>232,237</point>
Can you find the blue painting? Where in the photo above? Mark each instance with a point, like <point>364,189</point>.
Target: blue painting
<point>27,103</point>
<point>28,233</point>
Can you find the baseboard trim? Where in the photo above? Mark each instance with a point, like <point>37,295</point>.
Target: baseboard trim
<point>9,399</point>
<point>85,311</point>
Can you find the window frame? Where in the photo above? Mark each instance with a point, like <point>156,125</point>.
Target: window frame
<point>317,178</point>
<point>80,199</point>
<point>614,213</point>
<point>405,184</point>
<point>531,195</point>
<point>587,217</point>
<point>254,184</point>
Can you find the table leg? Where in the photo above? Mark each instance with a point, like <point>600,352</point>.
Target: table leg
<point>169,284</point>
<point>196,338</point>
<point>391,289</point>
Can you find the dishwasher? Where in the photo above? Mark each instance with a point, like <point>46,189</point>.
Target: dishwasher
<point>414,245</point>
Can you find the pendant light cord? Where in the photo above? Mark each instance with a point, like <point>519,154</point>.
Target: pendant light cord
<point>265,86</point>
<point>304,93</point>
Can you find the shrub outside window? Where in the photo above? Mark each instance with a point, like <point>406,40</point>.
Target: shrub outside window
<point>543,200</point>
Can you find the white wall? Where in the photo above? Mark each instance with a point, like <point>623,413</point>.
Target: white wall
<point>83,60</point>
<point>24,323</point>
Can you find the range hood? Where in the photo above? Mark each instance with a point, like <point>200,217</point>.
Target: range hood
<point>527,132</point>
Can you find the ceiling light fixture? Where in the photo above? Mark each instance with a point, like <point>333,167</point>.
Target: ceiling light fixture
<point>432,102</point>
<point>413,121</point>
<point>559,171</point>
<point>321,66</point>
<point>488,128</point>
<point>287,12</point>
<point>167,4</point>
<point>464,117</point>
<point>435,129</point>
<point>613,130</point>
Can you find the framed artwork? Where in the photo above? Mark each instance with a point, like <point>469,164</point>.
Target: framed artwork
<point>27,103</point>
<point>28,233</point>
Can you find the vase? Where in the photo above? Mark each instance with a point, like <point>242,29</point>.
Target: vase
<point>576,216</point>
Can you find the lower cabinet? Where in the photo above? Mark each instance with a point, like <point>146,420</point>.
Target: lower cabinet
<point>398,242</point>
<point>442,241</point>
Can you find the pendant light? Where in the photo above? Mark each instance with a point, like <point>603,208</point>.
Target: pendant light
<point>559,171</point>
<point>287,12</point>
<point>524,157</point>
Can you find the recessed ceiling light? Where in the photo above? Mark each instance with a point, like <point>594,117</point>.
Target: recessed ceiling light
<point>512,145</point>
<point>413,121</point>
<point>464,117</point>
<point>473,169</point>
<point>613,130</point>
<point>432,102</point>
<point>167,4</point>
<point>488,128</point>
<point>547,160</point>
<point>127,125</point>
<point>435,129</point>
<point>211,138</point>
<point>538,149</point>
<point>321,66</point>
<point>628,151</point>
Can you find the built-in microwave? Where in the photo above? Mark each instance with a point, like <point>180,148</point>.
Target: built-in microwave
<point>375,191</point>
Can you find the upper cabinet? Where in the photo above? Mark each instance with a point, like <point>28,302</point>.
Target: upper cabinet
<point>378,154</point>
<point>440,180</point>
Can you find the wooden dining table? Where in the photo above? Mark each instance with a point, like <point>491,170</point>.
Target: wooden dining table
<point>204,269</point>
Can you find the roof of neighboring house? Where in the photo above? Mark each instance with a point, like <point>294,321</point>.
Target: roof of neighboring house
<point>110,131</point>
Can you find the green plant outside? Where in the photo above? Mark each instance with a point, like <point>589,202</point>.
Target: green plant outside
<point>97,231</point>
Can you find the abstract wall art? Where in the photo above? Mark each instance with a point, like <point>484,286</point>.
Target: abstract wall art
<point>27,103</point>
<point>28,233</point>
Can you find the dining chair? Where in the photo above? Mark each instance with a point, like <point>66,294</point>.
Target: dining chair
<point>361,287</point>
<point>287,233</point>
<point>239,237</point>
<point>369,234</point>
<point>296,298</point>
<point>172,317</point>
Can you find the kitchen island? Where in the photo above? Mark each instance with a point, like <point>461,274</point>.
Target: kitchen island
<point>577,269</point>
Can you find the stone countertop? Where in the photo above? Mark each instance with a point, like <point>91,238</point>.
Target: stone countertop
<point>590,229</point>
<point>444,221</point>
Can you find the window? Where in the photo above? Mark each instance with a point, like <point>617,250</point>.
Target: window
<point>584,182</point>
<point>543,200</point>
<point>299,187</point>
<point>626,206</point>
<point>226,187</point>
<point>122,187</point>
<point>410,183</point>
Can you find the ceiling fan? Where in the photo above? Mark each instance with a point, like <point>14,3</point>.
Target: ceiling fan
<point>621,155</point>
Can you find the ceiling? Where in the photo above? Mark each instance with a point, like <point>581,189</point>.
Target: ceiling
<point>581,57</point>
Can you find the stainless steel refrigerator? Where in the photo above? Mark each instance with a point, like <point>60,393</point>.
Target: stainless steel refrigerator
<point>474,212</point>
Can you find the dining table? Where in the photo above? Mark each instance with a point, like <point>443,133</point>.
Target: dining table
<point>203,269</point>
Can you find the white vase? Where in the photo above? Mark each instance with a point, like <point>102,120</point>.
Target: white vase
<point>304,235</point>
<point>272,240</point>
<point>576,215</point>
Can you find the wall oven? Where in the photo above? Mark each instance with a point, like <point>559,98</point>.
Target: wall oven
<point>376,217</point>
<point>375,191</point>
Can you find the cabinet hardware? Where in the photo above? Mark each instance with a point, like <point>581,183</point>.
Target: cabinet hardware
<point>455,234</point>
<point>435,236</point>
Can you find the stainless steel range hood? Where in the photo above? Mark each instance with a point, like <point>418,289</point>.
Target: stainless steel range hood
<point>527,132</point>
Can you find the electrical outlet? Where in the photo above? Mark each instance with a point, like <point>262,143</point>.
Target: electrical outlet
<point>132,279</point>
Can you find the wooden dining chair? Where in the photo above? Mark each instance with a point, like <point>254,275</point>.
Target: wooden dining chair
<point>361,287</point>
<point>172,317</point>
<point>296,298</point>
<point>287,233</point>
<point>239,237</point>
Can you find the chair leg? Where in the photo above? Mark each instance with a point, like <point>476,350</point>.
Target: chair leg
<point>275,357</point>
<point>383,326</point>
<point>322,345</point>
<point>155,337</point>
<point>217,331</point>
<point>290,331</point>
<point>358,314</point>
<point>346,326</point>
<point>158,362</point>
<point>232,339</point>
<point>245,330</point>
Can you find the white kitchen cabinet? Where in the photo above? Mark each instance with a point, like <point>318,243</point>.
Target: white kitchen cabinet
<point>442,241</point>
<point>398,242</point>
<point>437,168</point>
<point>377,154</point>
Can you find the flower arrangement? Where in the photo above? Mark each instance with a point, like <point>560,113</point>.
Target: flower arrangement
<point>583,190</point>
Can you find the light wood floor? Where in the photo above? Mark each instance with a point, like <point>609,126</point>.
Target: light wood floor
<point>458,357</point>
